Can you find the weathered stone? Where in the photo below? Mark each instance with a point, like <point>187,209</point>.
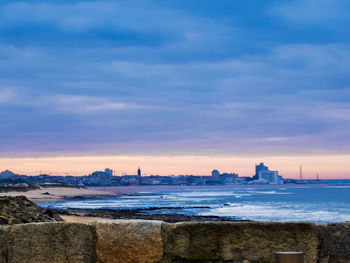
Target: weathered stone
<point>334,243</point>
<point>3,244</point>
<point>51,242</point>
<point>134,241</point>
<point>19,210</point>
<point>237,242</point>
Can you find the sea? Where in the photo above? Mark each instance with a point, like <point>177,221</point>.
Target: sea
<point>287,203</point>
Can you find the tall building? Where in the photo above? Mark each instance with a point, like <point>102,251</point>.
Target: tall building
<point>260,168</point>
<point>139,172</point>
<point>264,176</point>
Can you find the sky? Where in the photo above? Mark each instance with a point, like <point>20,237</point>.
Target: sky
<point>175,86</point>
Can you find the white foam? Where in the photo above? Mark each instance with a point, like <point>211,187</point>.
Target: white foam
<point>270,193</point>
<point>205,194</point>
<point>277,212</point>
<point>338,186</point>
<point>244,203</point>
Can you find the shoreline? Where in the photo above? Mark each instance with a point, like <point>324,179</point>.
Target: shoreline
<point>66,193</point>
<point>57,194</point>
<point>135,188</point>
<point>91,215</point>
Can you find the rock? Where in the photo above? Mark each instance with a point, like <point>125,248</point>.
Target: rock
<point>237,242</point>
<point>51,242</point>
<point>3,244</point>
<point>18,209</point>
<point>334,243</point>
<point>124,241</point>
<point>18,187</point>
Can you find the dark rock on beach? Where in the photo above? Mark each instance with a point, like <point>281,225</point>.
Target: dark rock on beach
<point>20,187</point>
<point>140,214</point>
<point>18,210</point>
<point>25,187</point>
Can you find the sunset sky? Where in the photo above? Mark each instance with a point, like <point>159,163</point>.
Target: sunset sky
<point>182,86</point>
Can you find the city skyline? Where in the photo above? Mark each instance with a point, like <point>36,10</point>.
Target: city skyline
<point>175,86</point>
<point>195,165</point>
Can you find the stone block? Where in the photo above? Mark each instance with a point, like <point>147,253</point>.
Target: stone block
<point>3,244</point>
<point>51,242</point>
<point>124,241</point>
<point>239,242</point>
<point>334,243</point>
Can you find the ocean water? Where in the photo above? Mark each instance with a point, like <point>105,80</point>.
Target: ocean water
<point>285,204</point>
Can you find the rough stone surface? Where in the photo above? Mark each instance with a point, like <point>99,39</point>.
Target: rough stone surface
<point>51,242</point>
<point>334,243</point>
<point>18,210</point>
<point>237,242</point>
<point>124,241</point>
<point>3,244</point>
<point>137,241</point>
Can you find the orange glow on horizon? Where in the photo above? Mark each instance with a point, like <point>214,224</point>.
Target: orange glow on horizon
<point>328,167</point>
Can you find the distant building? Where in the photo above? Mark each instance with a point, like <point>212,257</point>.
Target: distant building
<point>260,168</point>
<point>102,174</point>
<point>224,178</point>
<point>216,175</point>
<point>105,178</point>
<point>128,179</point>
<point>139,172</point>
<point>264,176</point>
<point>109,172</point>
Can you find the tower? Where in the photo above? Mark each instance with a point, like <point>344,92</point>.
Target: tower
<point>301,172</point>
<point>139,172</point>
<point>260,168</point>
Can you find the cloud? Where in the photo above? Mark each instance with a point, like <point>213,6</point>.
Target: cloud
<point>90,105</point>
<point>6,95</point>
<point>313,11</point>
<point>152,76</point>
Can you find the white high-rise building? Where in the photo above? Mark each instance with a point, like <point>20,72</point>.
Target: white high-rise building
<point>265,176</point>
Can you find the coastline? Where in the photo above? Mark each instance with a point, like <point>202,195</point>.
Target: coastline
<point>92,215</point>
<point>54,194</point>
<point>66,193</point>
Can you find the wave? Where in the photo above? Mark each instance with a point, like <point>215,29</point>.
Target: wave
<point>276,212</point>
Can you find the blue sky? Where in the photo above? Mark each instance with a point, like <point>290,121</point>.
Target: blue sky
<point>174,77</point>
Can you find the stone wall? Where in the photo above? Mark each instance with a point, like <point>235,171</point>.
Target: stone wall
<point>139,241</point>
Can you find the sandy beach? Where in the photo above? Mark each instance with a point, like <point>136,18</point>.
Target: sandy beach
<point>52,194</point>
